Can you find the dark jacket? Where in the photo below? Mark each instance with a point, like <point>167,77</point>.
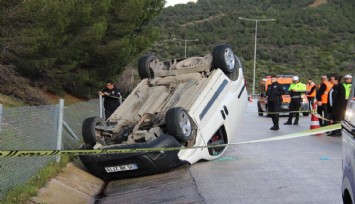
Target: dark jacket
<point>336,100</point>
<point>320,92</point>
<point>112,101</point>
<point>274,92</point>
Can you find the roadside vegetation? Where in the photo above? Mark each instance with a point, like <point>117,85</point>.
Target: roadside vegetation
<point>8,101</point>
<point>308,37</point>
<point>22,193</point>
<point>73,47</point>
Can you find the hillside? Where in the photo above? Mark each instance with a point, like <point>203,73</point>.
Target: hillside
<point>74,46</point>
<point>51,47</point>
<point>307,38</point>
<point>16,90</point>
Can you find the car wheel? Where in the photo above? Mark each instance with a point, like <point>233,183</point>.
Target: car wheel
<point>260,111</point>
<point>89,131</point>
<point>224,58</point>
<point>178,124</point>
<point>267,112</point>
<point>305,113</point>
<point>219,138</point>
<point>144,69</point>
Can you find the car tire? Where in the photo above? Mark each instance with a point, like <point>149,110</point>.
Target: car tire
<point>267,112</point>
<point>224,58</point>
<point>144,69</point>
<point>178,124</point>
<point>88,129</point>
<point>260,111</point>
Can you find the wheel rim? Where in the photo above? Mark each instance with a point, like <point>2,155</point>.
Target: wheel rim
<point>185,124</point>
<point>229,58</point>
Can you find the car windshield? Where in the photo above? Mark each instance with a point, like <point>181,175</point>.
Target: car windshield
<point>285,87</point>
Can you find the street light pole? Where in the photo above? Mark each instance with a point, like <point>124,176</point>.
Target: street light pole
<point>185,40</point>
<point>256,34</point>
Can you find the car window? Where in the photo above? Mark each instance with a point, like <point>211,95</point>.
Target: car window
<point>285,87</point>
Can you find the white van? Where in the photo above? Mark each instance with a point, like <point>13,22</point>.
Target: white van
<point>192,102</point>
<point>348,149</point>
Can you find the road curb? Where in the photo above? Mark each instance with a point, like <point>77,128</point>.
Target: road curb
<point>73,185</point>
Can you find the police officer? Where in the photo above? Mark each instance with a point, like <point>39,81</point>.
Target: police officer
<point>336,103</point>
<point>273,93</point>
<point>347,85</point>
<point>296,90</point>
<point>111,96</point>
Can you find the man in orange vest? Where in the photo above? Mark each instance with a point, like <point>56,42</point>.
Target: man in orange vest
<point>322,100</point>
<point>311,92</point>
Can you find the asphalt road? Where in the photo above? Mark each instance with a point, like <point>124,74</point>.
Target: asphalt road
<point>300,170</point>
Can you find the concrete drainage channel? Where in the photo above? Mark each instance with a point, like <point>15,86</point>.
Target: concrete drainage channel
<point>76,185</point>
<point>73,185</point>
<point>175,186</point>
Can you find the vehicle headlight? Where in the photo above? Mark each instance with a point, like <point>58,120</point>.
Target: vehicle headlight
<point>348,114</point>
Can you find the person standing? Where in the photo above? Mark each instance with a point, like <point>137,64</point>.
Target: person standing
<point>347,85</point>
<point>296,90</point>
<point>311,93</point>
<point>322,99</point>
<point>336,103</point>
<point>111,96</point>
<point>274,98</point>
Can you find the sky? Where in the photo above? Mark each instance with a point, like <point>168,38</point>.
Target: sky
<point>173,2</point>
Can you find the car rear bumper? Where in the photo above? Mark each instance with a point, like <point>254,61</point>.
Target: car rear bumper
<point>115,166</point>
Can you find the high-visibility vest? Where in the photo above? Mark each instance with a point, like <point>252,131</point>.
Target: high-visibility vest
<point>300,88</point>
<point>347,90</point>
<point>309,87</point>
<point>326,92</point>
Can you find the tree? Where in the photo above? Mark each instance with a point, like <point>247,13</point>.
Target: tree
<point>62,44</point>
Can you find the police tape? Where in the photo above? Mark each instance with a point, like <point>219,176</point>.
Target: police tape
<point>32,153</point>
<point>321,117</point>
<point>296,135</point>
<point>313,112</point>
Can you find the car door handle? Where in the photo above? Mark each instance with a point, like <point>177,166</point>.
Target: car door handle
<point>225,110</point>
<point>223,115</point>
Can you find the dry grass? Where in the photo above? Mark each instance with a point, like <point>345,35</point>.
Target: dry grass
<point>17,87</point>
<point>317,3</point>
<point>68,99</point>
<point>18,91</point>
<point>128,80</point>
<point>8,101</point>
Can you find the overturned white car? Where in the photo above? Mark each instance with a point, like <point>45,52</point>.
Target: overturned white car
<point>197,101</point>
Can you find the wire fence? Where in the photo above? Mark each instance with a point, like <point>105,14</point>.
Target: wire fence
<point>36,128</point>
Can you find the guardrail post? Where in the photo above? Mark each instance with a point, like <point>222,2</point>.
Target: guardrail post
<point>60,127</point>
<point>100,107</point>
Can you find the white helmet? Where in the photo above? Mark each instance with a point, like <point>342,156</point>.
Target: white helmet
<point>295,78</point>
<point>348,76</point>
